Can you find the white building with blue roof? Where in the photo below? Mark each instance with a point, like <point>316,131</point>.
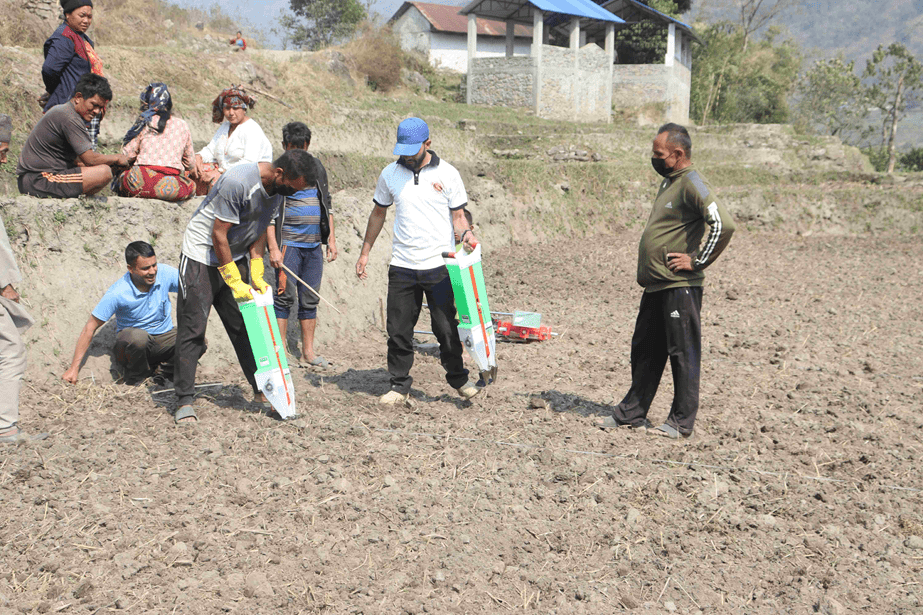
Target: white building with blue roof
<point>582,81</point>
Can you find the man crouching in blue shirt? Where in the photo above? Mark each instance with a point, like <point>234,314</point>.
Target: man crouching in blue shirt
<point>140,301</point>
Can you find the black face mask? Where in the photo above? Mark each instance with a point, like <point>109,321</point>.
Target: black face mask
<point>282,190</point>
<point>660,165</point>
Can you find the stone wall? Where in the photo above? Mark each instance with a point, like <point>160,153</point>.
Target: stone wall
<point>502,81</point>
<point>569,92</point>
<point>575,91</point>
<point>637,84</point>
<point>680,85</point>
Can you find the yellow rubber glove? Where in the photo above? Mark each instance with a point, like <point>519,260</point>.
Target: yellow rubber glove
<point>231,276</point>
<point>256,275</point>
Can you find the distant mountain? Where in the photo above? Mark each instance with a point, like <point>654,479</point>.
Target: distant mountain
<point>825,27</point>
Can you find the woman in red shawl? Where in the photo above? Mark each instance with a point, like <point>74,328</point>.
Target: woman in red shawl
<point>69,55</point>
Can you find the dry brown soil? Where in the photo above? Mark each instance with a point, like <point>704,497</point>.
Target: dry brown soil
<point>800,492</point>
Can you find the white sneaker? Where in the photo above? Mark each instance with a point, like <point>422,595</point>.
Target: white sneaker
<point>468,390</point>
<point>393,397</point>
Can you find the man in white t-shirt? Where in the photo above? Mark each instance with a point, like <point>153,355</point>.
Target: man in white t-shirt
<point>429,200</point>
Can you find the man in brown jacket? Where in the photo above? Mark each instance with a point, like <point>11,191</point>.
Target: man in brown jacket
<point>671,263</point>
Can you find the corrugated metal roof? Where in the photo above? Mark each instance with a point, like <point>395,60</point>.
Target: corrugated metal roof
<point>446,18</point>
<point>522,10</point>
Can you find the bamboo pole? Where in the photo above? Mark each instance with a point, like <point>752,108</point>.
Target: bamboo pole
<point>308,286</point>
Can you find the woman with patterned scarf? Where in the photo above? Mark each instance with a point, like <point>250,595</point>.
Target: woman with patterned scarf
<point>69,54</point>
<point>162,146</point>
<point>239,139</point>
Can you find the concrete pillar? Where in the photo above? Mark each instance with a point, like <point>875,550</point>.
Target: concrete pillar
<point>538,35</point>
<point>510,40</point>
<point>671,45</point>
<point>574,31</point>
<point>610,52</point>
<point>472,51</point>
<point>583,38</point>
<point>575,49</point>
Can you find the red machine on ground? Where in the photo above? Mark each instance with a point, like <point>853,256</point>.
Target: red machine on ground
<point>515,327</point>
<point>520,326</point>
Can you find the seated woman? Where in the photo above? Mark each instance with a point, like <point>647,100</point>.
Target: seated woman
<point>239,139</point>
<point>163,147</point>
<point>239,42</point>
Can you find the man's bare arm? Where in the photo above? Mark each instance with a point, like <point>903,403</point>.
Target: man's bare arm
<point>220,241</point>
<point>83,344</point>
<point>461,226</point>
<point>93,158</point>
<point>372,230</point>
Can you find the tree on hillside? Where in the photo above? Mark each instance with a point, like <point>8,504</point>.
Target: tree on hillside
<point>752,15</point>
<point>831,96</point>
<point>679,6</point>
<point>645,42</point>
<point>313,24</point>
<point>730,85</point>
<point>896,80</point>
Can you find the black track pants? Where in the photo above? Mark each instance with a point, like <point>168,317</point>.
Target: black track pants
<point>202,288</point>
<point>406,289</point>
<point>668,325</point>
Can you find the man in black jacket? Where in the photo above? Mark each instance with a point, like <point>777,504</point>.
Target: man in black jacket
<point>296,239</point>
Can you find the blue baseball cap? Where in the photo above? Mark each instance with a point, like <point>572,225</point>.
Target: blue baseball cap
<point>411,134</point>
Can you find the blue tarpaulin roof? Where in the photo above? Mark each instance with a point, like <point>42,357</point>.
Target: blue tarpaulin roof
<point>521,11</point>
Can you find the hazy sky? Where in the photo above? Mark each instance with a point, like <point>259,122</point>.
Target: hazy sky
<point>264,13</point>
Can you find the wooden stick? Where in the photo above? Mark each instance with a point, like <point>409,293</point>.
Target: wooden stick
<point>308,286</point>
<point>268,95</point>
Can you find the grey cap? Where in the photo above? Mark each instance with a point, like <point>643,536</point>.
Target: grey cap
<point>6,128</point>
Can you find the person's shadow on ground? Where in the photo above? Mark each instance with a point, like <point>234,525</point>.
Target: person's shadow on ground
<point>375,382</point>
<point>574,404</point>
<point>223,396</point>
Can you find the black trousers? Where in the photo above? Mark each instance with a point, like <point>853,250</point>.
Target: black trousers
<point>668,325</point>
<point>202,288</point>
<point>139,353</point>
<point>406,289</point>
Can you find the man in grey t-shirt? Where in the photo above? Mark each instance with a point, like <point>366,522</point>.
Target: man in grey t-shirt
<point>229,226</point>
<point>57,158</point>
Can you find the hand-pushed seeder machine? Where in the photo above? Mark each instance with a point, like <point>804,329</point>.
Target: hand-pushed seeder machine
<point>475,327</point>
<point>478,327</point>
<point>273,376</point>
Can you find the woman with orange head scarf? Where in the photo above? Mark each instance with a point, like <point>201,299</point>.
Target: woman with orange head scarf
<point>239,139</point>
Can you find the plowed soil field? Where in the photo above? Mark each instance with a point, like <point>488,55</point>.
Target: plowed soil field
<point>800,492</point>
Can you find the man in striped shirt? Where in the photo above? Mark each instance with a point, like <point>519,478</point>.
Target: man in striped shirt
<point>671,263</point>
<point>296,239</point>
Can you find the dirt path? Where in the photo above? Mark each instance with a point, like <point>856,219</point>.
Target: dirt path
<point>800,493</point>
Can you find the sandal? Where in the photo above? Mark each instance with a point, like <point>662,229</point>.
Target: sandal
<point>184,412</point>
<point>318,362</point>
